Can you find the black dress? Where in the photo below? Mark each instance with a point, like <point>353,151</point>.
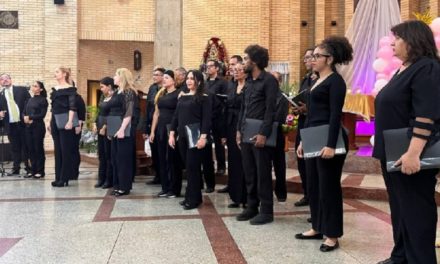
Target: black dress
<point>324,106</point>
<point>105,170</point>
<point>36,109</point>
<point>190,111</point>
<point>169,161</point>
<point>236,181</point>
<point>63,101</point>
<point>415,92</point>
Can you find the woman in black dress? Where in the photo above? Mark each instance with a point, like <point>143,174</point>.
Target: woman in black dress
<point>194,107</point>
<point>105,170</point>
<point>236,182</point>
<point>324,107</point>
<point>122,105</point>
<point>411,99</point>
<point>63,100</point>
<point>33,116</point>
<point>166,103</point>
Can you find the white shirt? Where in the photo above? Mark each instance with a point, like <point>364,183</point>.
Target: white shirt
<point>11,119</point>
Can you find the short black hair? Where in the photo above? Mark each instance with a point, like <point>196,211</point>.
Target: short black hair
<point>259,55</point>
<point>108,81</point>
<point>162,70</point>
<point>419,38</point>
<point>237,57</point>
<point>339,48</point>
<point>216,63</point>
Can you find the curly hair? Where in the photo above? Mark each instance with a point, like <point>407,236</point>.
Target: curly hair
<point>259,55</point>
<point>419,38</point>
<point>339,48</point>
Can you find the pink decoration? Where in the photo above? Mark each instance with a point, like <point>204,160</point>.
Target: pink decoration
<point>379,65</point>
<point>380,84</point>
<point>396,62</point>
<point>435,26</point>
<point>385,41</point>
<point>437,41</point>
<point>385,52</point>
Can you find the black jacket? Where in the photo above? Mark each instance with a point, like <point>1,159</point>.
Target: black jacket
<point>21,95</point>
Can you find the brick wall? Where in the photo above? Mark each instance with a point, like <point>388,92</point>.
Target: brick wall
<point>131,20</point>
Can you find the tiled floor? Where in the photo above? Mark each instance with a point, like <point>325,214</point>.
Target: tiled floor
<point>81,224</point>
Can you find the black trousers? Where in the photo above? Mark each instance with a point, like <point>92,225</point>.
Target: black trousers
<point>105,169</point>
<point>155,159</point>
<point>219,148</point>
<point>122,162</point>
<point>301,168</point>
<point>279,164</point>
<point>413,215</point>
<point>236,179</point>
<point>35,134</point>
<point>17,138</point>
<point>193,163</point>
<point>208,166</point>
<point>64,145</point>
<point>258,174</point>
<point>169,162</point>
<point>76,157</point>
<point>325,194</point>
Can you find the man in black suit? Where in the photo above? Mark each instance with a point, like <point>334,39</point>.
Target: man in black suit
<point>12,103</point>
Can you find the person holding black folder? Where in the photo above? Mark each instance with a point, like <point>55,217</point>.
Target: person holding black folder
<point>119,127</point>
<point>259,104</point>
<point>236,181</point>
<point>166,103</point>
<point>105,169</point>
<point>324,107</point>
<point>192,121</point>
<point>33,117</point>
<point>81,110</point>
<point>63,121</point>
<point>411,100</point>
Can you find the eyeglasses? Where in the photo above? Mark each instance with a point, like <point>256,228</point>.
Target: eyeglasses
<point>308,57</point>
<point>209,66</point>
<point>319,55</point>
<point>157,74</point>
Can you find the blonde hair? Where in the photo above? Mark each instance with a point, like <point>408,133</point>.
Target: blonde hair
<point>126,81</point>
<point>159,94</point>
<point>68,73</point>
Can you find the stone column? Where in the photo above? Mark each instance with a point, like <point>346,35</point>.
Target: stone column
<point>168,35</point>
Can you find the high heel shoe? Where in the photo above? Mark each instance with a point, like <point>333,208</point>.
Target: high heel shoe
<point>99,185</point>
<point>190,206</point>
<point>121,193</point>
<point>327,248</point>
<point>60,183</point>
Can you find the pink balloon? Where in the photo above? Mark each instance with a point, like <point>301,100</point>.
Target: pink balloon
<point>385,41</point>
<point>396,62</point>
<point>385,52</point>
<point>435,26</point>
<point>437,41</point>
<point>379,84</point>
<point>379,65</point>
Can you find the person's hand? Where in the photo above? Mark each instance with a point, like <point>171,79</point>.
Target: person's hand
<point>410,163</point>
<point>145,136</point>
<point>49,129</point>
<point>102,131</point>
<point>68,125</point>
<point>201,143</point>
<point>302,108</point>
<point>95,128</point>
<point>78,130</point>
<point>152,135</point>
<point>26,119</point>
<point>300,151</point>
<point>223,140</point>
<point>327,153</point>
<point>260,141</point>
<point>238,139</point>
<point>120,134</point>
<point>2,114</point>
<point>172,141</point>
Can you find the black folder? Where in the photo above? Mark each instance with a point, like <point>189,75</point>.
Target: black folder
<point>193,134</point>
<point>61,120</point>
<point>296,100</point>
<point>314,139</point>
<point>113,125</point>
<point>397,143</point>
<point>100,122</point>
<point>252,127</point>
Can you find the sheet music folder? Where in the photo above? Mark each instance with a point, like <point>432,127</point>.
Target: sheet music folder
<point>252,127</point>
<point>113,125</point>
<point>397,143</point>
<point>314,139</point>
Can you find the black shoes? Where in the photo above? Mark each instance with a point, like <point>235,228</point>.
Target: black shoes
<point>261,219</point>
<point>224,190</point>
<point>282,200</point>
<point>60,183</point>
<point>303,202</point>
<point>190,206</point>
<point>304,237</point>
<point>209,190</point>
<point>246,215</point>
<point>171,195</point>
<point>162,194</point>
<point>234,205</point>
<point>14,173</point>
<point>387,261</point>
<point>327,248</point>
<point>182,203</point>
<point>106,186</point>
<point>28,175</point>
<point>99,185</point>
<point>121,193</point>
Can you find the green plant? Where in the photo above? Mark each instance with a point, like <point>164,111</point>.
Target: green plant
<point>290,89</point>
<point>92,114</point>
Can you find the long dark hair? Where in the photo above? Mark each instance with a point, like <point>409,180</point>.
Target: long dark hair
<point>43,90</point>
<point>200,83</point>
<point>419,38</point>
<point>108,81</point>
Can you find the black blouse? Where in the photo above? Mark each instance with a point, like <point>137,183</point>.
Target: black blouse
<point>36,108</point>
<point>104,110</point>
<point>415,92</point>
<point>189,111</point>
<point>324,106</point>
<point>63,100</point>
<point>233,105</point>
<point>167,106</point>
<point>122,104</point>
